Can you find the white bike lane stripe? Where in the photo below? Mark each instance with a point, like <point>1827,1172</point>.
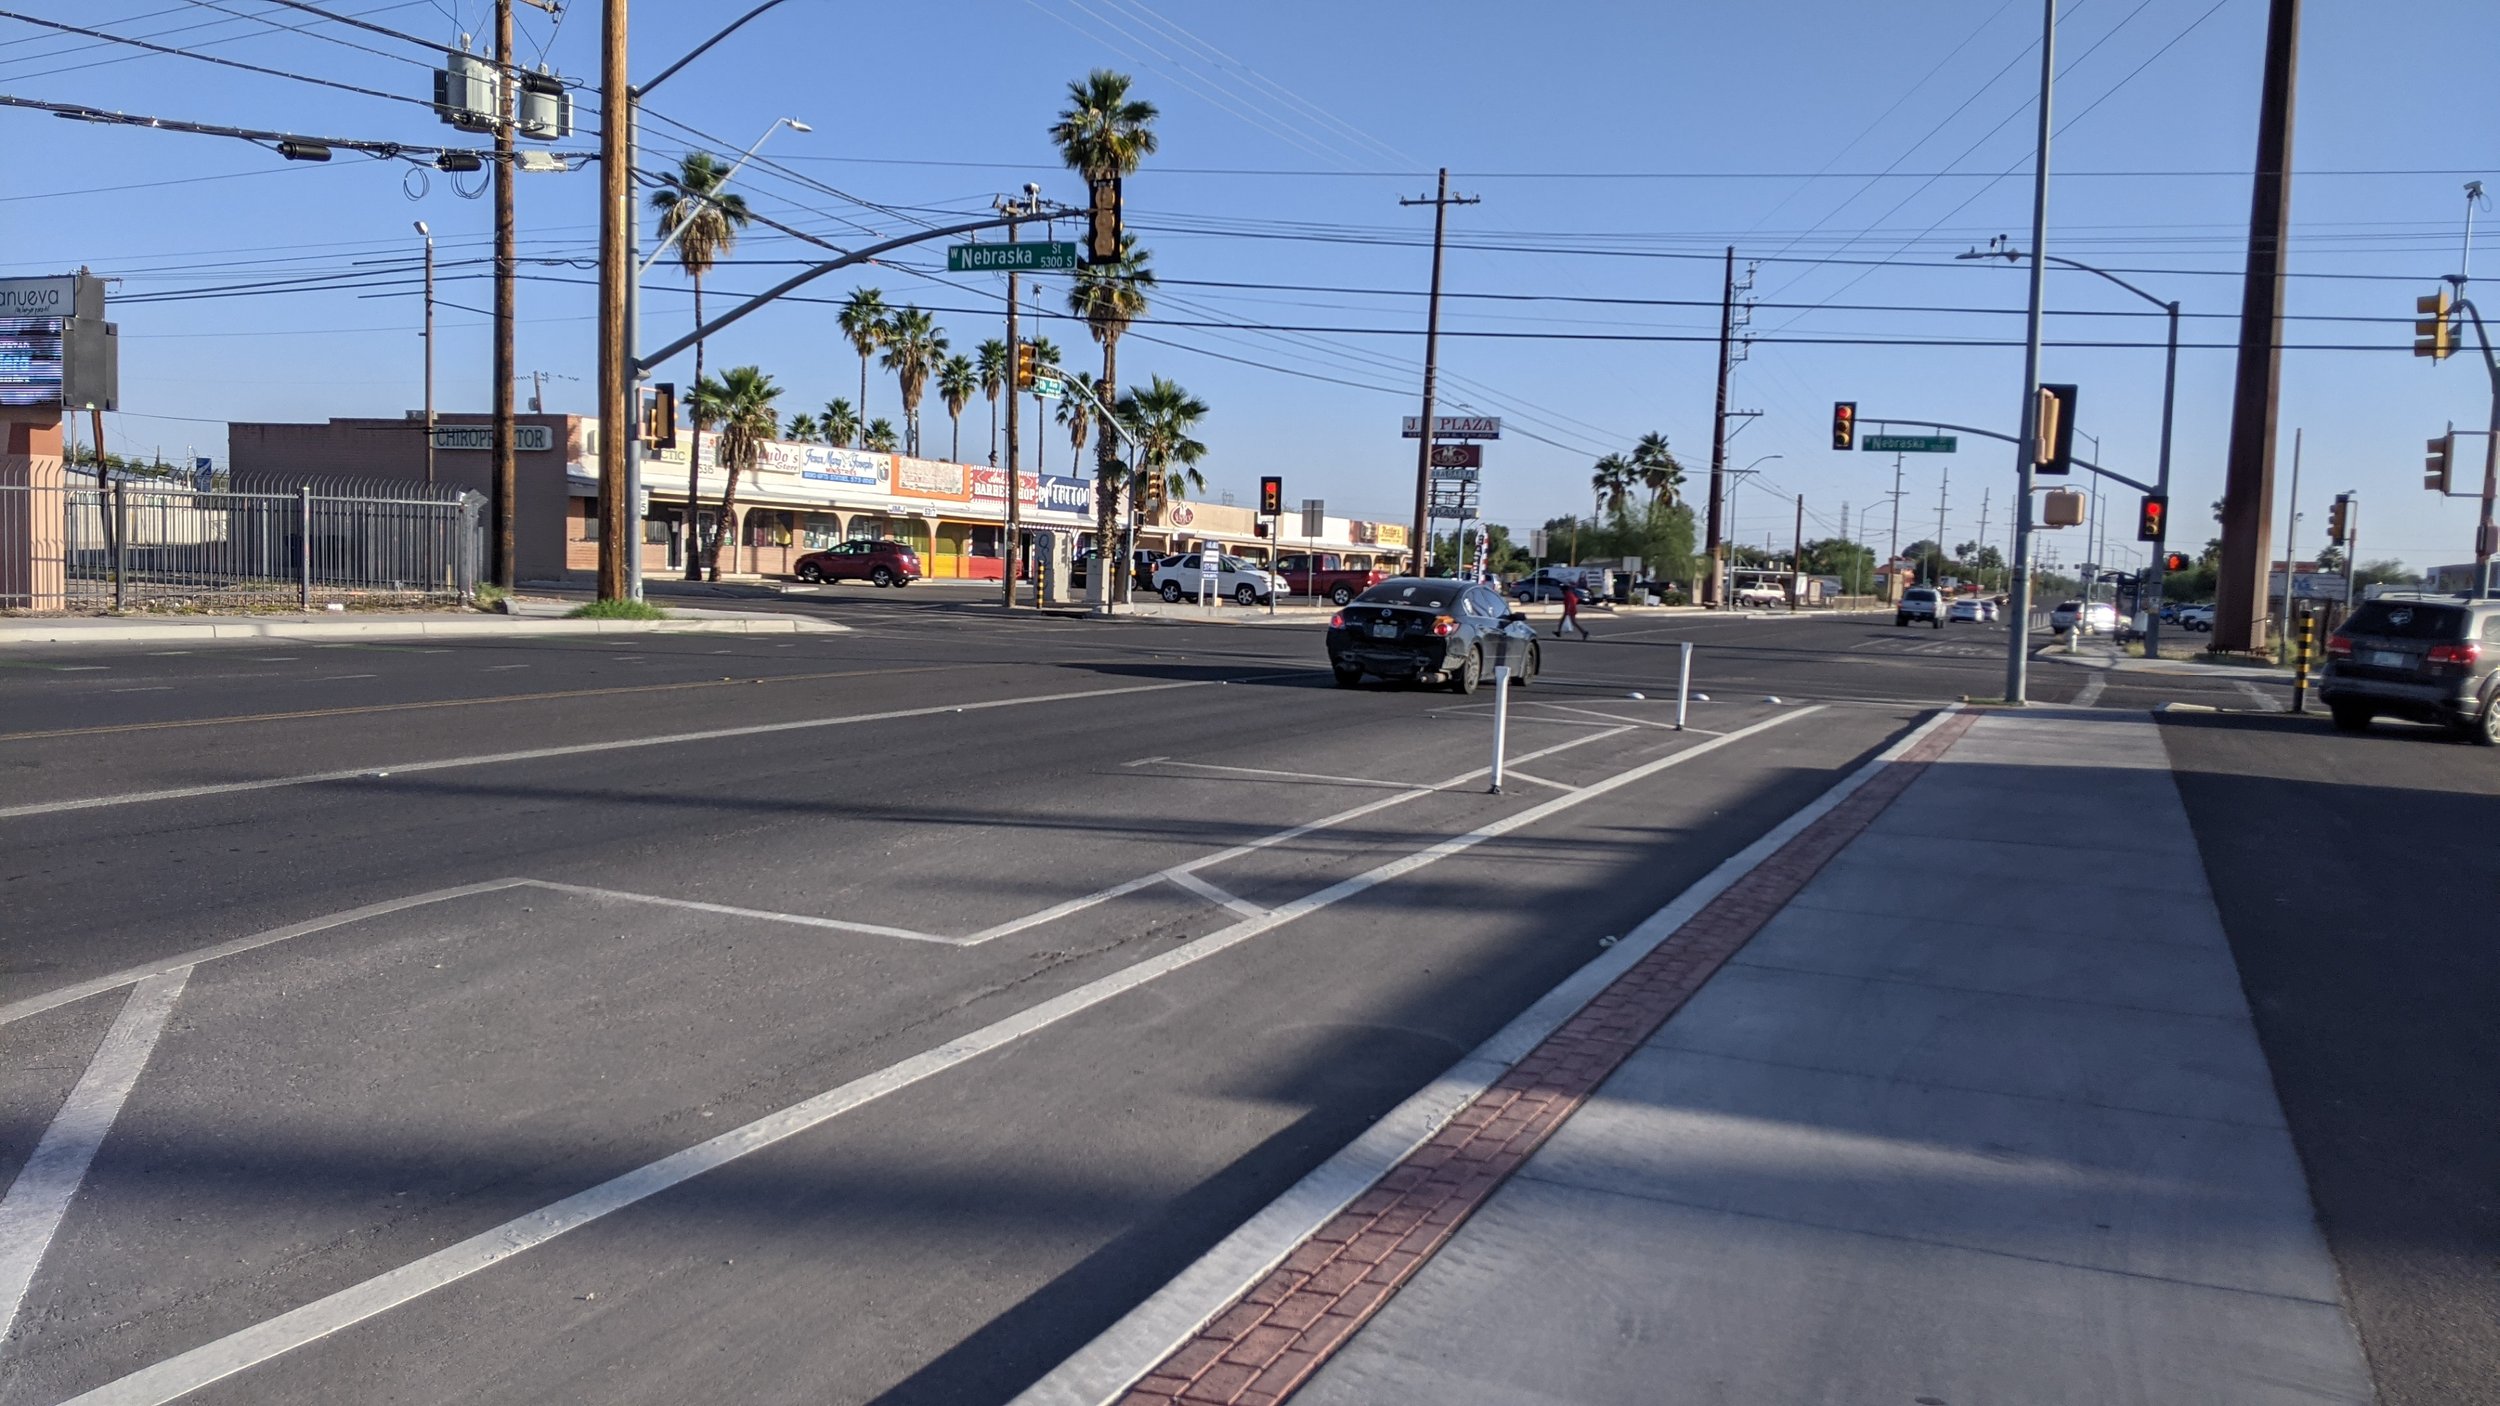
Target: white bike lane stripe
<point>211,1362</point>
<point>45,1186</point>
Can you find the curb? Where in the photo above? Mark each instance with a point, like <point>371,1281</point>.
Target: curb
<point>498,628</point>
<point>1225,1299</point>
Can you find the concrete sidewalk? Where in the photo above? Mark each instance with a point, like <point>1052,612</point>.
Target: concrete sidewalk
<point>1952,1098</point>
<point>320,625</point>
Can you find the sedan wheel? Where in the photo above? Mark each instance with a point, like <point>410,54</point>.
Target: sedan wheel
<point>882,576</point>
<point>2350,717</point>
<point>1172,592</point>
<point>1463,679</point>
<point>810,572</point>
<point>2488,733</point>
<point>1346,678</point>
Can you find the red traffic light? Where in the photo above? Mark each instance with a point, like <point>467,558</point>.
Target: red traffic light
<point>1844,424</point>
<point>2176,561</point>
<point>2151,518</point>
<point>1271,496</point>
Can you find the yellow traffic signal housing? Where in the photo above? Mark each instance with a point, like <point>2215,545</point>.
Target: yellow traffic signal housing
<point>2439,469</point>
<point>1150,493</point>
<point>2062,507</point>
<point>1025,366</point>
<point>1102,220</point>
<point>2435,335</point>
<point>2338,518</point>
<point>659,425</point>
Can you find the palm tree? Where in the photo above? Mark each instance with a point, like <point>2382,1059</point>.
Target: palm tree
<point>1110,296</point>
<point>802,429</point>
<point>706,221</point>
<point>863,319</point>
<point>1613,482</point>
<point>913,348</point>
<point>995,363</point>
<point>840,423</point>
<point>1104,134</point>
<point>1076,411</point>
<point>741,403</point>
<point>879,436</point>
<point>957,383</point>
<point>1160,421</point>
<point>1658,469</point>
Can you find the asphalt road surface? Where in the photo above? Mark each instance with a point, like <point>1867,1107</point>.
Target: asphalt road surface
<point>2357,882</point>
<point>871,1016</point>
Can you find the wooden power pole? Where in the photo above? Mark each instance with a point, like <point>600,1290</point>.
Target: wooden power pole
<point>618,531</point>
<point>507,114</point>
<point>1712,545</point>
<point>1419,559</point>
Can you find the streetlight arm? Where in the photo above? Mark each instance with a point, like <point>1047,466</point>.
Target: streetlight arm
<point>680,228</point>
<point>2016,256</point>
<point>699,49</point>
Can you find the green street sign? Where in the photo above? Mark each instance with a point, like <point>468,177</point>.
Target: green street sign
<point>1049,387</point>
<point>1009,258</point>
<point>1910,444</point>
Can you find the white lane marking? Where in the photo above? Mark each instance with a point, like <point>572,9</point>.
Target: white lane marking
<point>1515,774</point>
<point>41,1195</point>
<point>499,668</point>
<point>1284,775</point>
<point>273,658</point>
<point>79,668</point>
<point>1145,761</point>
<point>1126,887</point>
<point>150,688</point>
<point>187,1372</point>
<point>578,749</point>
<point>801,919</point>
<point>166,653</point>
<point>54,1000</point>
<point>1104,1368</point>
<point>337,678</point>
<point>2264,702</point>
<point>1217,896</point>
<point>2090,693</point>
<point>1610,717</point>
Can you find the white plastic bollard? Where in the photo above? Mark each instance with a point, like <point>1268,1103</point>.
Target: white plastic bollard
<point>1501,721</point>
<point>1683,683</point>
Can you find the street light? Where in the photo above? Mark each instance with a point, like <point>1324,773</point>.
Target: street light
<point>1999,249</point>
<point>428,236</point>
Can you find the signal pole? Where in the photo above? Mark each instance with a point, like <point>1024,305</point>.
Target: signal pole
<point>507,113</point>
<point>2018,609</point>
<point>1712,542</point>
<point>1420,546</point>
<point>1015,519</point>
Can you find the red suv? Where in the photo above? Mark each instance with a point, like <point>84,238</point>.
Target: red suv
<point>879,563</point>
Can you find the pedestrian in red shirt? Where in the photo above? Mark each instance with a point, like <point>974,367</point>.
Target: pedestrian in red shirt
<point>1571,613</point>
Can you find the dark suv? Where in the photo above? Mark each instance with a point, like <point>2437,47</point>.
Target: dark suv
<point>879,563</point>
<point>2434,659</point>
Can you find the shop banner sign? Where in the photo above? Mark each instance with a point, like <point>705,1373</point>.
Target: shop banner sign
<point>825,463</point>
<point>928,478</point>
<point>1061,494</point>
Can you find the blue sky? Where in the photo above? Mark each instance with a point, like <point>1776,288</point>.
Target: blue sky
<point>1617,149</point>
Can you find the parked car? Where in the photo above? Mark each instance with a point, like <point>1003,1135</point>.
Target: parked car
<point>2097,618</point>
<point>1141,568</point>
<point>1761,596</point>
<point>1547,582</point>
<point>1920,603</point>
<point>1176,579</point>
<point>1969,608</point>
<point>2433,659</point>
<point>1430,629</point>
<point>879,563</point>
<point>2194,617</point>
<point>1325,574</point>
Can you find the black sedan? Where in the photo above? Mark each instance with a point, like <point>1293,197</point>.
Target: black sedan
<point>1429,629</point>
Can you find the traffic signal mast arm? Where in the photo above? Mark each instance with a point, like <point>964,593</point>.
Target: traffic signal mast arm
<point>2078,461</point>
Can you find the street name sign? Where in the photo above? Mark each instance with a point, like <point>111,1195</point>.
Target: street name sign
<point>1010,258</point>
<point>1911,444</point>
<point>1049,387</point>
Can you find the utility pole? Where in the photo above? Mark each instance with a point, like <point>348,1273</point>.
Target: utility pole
<point>2248,472</point>
<point>429,351</point>
<point>1015,518</point>
<point>613,396</point>
<point>1718,432</point>
<point>1941,490</point>
<point>507,116</point>
<point>1797,560</point>
<point>1441,200</point>
<point>2018,628</point>
<point>1893,557</point>
<point>1983,534</point>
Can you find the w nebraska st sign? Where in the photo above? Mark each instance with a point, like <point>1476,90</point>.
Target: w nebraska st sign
<point>1456,427</point>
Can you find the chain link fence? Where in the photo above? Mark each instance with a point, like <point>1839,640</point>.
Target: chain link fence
<point>159,546</point>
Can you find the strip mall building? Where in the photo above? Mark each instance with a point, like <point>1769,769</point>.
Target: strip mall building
<point>798,498</point>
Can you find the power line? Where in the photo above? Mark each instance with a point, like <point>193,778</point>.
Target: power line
<point>212,58</point>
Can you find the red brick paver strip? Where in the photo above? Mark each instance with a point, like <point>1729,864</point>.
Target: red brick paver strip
<point>1269,1341</point>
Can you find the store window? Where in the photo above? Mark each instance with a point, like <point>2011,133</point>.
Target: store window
<point>988,541</point>
<point>585,520</point>
<point>911,532</point>
<point>820,530</point>
<point>659,529</point>
<point>768,527</point>
<point>867,527</point>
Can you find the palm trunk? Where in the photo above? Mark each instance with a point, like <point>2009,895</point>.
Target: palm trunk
<point>993,431</point>
<point>694,458</point>
<point>726,534</point>
<point>863,392</point>
<point>1106,457</point>
<point>955,449</point>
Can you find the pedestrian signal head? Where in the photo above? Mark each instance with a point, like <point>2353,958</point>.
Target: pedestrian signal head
<point>2175,561</point>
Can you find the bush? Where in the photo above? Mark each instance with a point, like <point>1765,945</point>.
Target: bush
<point>617,610</point>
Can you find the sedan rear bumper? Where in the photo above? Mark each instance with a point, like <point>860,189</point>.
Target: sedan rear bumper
<point>1391,661</point>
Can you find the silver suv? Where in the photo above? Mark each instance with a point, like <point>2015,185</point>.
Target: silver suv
<point>2433,659</point>
<point>1920,603</point>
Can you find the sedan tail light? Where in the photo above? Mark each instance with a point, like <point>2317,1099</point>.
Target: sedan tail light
<point>1337,621</point>
<point>1445,624</point>
<point>2339,645</point>
<point>2469,653</point>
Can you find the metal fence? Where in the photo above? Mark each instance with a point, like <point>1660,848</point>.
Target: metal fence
<point>142,545</point>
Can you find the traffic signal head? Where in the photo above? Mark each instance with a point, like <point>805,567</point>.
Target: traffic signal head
<point>659,426</point>
<point>2152,518</point>
<point>1151,493</point>
<point>1271,496</point>
<point>2338,518</point>
<point>2434,335</point>
<point>2439,468</point>
<point>2053,430</point>
<point>1025,366</point>
<point>1844,424</point>
<point>2175,561</point>
<point>1102,220</point>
